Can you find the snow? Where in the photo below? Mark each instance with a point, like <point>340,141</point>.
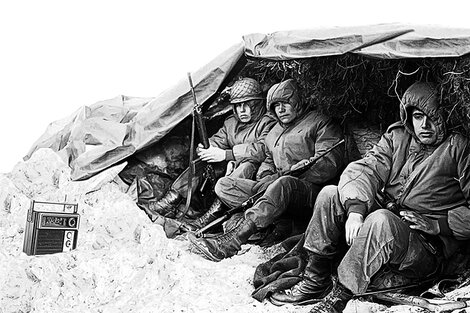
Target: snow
<point>123,262</point>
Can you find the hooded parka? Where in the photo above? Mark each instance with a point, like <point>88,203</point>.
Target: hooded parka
<point>432,180</point>
<point>309,134</point>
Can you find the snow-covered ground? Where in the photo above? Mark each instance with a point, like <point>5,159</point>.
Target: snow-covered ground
<point>123,262</point>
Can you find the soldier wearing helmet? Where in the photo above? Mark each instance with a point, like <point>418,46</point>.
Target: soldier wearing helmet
<point>299,134</point>
<point>239,141</point>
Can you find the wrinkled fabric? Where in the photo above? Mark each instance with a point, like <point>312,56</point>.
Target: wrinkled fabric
<point>383,239</point>
<point>282,271</point>
<point>434,184</point>
<point>431,180</point>
<point>286,194</point>
<point>384,41</point>
<point>98,136</point>
<point>423,96</point>
<point>286,92</point>
<point>245,140</point>
<point>308,136</point>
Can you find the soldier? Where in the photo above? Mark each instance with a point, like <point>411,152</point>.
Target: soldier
<point>239,140</point>
<point>299,134</point>
<point>426,173</point>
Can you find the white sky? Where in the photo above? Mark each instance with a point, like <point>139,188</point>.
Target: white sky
<point>58,55</point>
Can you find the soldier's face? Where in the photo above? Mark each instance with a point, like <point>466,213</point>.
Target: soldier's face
<point>424,128</point>
<point>285,112</point>
<point>243,110</point>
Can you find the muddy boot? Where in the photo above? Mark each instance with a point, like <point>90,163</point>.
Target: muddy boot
<point>316,283</point>
<point>334,302</point>
<point>226,245</point>
<point>167,205</point>
<point>206,218</point>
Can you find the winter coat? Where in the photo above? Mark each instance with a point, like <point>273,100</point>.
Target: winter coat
<point>431,180</point>
<point>243,141</point>
<point>308,135</point>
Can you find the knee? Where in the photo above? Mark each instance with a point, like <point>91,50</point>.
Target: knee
<point>327,194</point>
<point>381,219</point>
<point>285,180</point>
<point>326,199</point>
<point>223,184</point>
<point>281,184</point>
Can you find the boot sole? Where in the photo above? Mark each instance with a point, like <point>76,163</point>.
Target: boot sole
<point>304,302</point>
<point>202,251</point>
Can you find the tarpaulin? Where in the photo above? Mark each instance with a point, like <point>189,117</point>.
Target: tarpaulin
<point>390,41</point>
<point>98,136</point>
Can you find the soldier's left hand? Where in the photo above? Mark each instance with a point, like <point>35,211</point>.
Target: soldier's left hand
<point>420,222</point>
<point>211,154</point>
<point>299,164</point>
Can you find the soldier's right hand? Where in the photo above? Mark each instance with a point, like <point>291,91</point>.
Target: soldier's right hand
<point>353,225</point>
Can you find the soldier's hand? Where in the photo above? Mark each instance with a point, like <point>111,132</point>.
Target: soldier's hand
<point>211,154</point>
<point>353,225</point>
<point>299,164</point>
<point>420,222</point>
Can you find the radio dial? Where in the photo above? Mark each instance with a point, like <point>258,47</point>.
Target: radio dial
<point>72,222</point>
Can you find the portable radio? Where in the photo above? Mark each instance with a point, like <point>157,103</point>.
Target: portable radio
<point>51,227</point>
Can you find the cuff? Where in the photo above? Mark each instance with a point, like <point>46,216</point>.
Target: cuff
<point>355,206</point>
<point>444,227</point>
<point>229,155</point>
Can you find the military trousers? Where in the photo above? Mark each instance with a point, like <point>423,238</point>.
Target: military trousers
<point>384,239</point>
<point>286,194</point>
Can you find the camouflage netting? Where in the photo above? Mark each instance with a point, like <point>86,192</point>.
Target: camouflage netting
<point>364,90</point>
<point>360,92</point>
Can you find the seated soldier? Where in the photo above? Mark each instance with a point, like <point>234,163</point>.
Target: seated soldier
<point>299,135</point>
<point>426,173</point>
<point>240,140</point>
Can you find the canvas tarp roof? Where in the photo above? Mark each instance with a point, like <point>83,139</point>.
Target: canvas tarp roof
<point>98,136</point>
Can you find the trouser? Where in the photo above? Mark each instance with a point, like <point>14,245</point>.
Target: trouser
<point>244,170</point>
<point>285,194</point>
<point>384,239</point>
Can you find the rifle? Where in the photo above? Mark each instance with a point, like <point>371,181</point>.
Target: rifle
<point>251,200</point>
<point>198,121</point>
<point>433,306</point>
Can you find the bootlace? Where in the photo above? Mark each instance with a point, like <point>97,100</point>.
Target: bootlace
<point>330,302</point>
<point>227,236</point>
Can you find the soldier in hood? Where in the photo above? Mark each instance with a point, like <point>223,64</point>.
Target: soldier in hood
<point>425,175</point>
<point>299,135</point>
<point>239,142</point>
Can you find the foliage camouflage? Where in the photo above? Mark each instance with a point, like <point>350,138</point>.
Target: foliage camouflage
<point>361,89</point>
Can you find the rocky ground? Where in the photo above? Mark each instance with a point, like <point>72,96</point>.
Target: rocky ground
<point>123,262</point>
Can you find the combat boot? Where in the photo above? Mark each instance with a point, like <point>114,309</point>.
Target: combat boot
<point>167,205</point>
<point>315,284</point>
<point>207,217</point>
<point>334,302</point>
<point>226,245</point>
